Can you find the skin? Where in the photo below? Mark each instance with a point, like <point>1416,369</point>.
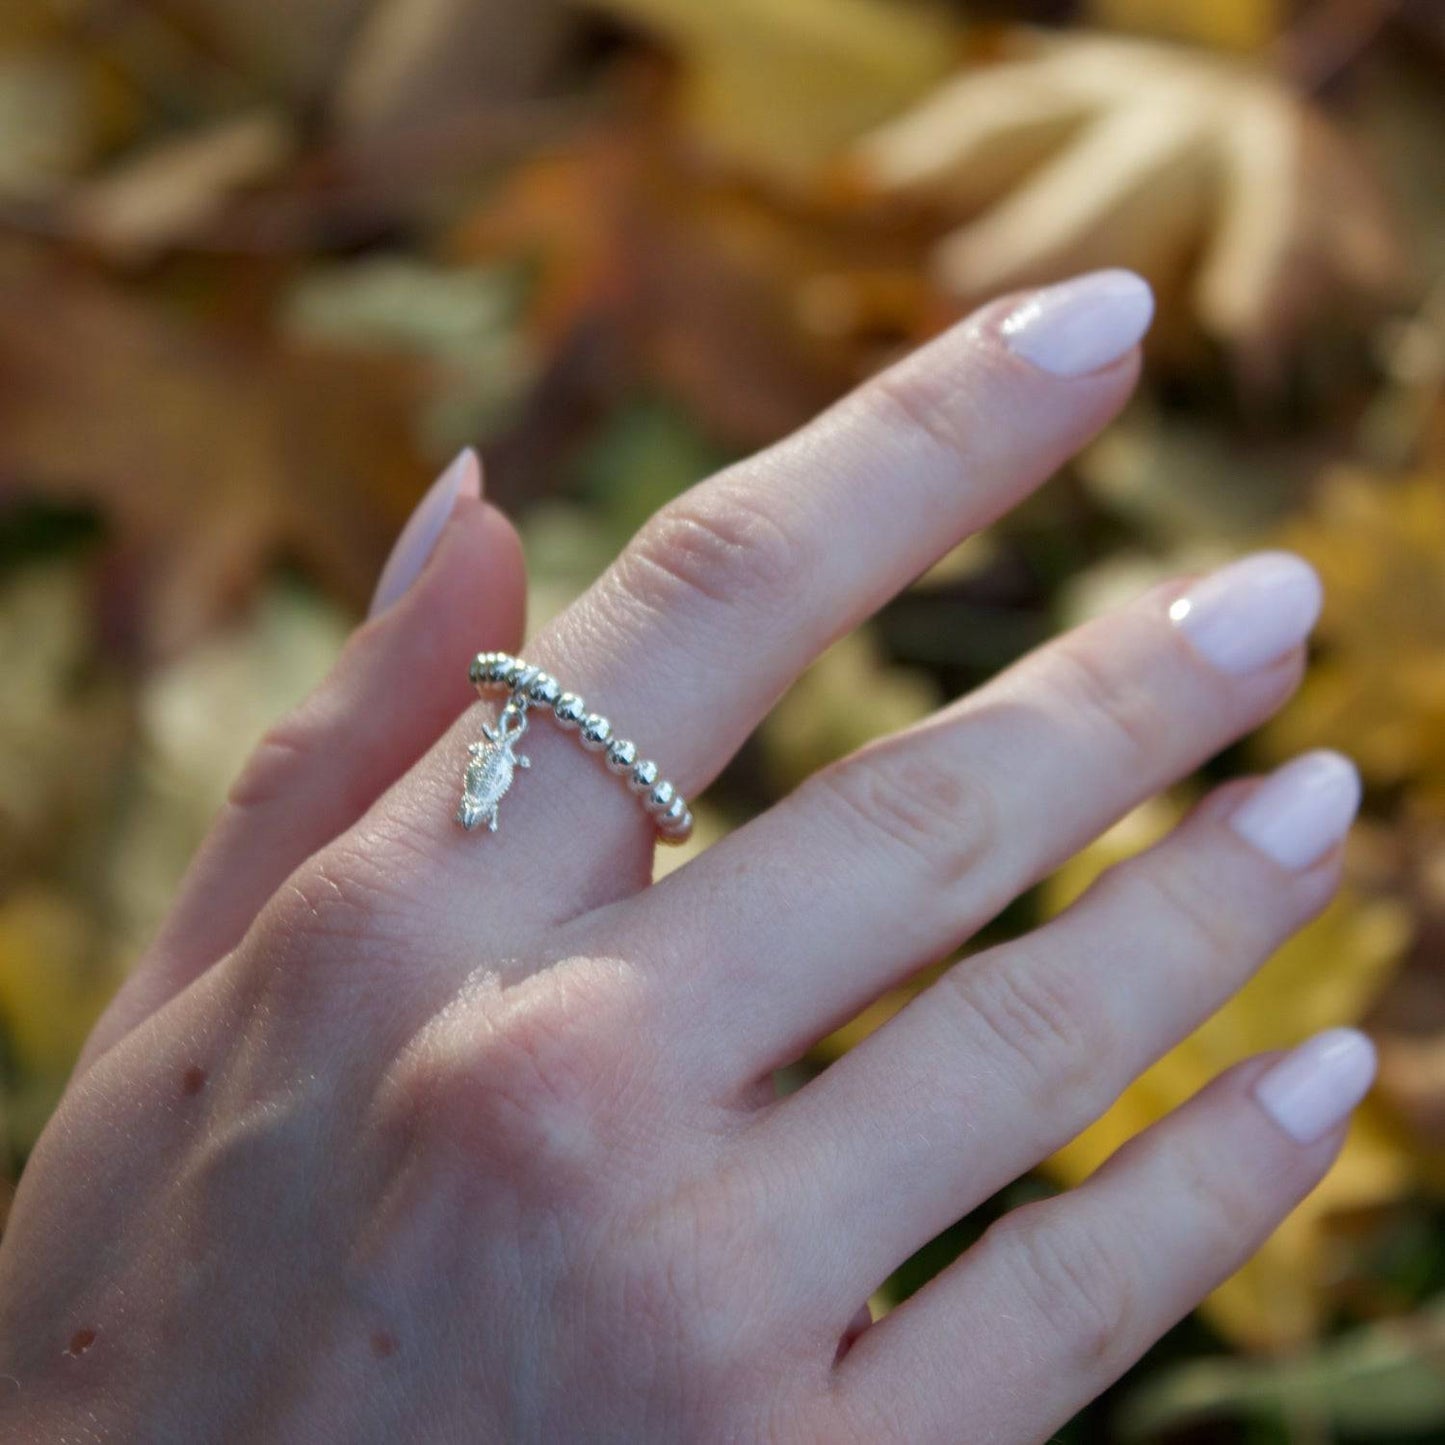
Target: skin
<point>404,1134</point>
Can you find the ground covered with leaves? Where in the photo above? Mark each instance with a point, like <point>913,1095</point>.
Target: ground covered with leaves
<point>263,269</point>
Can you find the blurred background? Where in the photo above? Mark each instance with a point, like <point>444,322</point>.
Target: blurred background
<point>265,268</point>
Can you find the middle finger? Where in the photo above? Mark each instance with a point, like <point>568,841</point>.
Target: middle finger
<point>891,858</point>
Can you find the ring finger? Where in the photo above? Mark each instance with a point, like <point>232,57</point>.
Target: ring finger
<point>1011,1054</point>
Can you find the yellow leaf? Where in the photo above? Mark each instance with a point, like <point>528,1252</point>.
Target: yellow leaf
<point>55,978</point>
<point>45,131</point>
<point>780,85</point>
<point>1329,974</point>
<point>849,696</point>
<point>1225,24</point>
<point>1377,689</point>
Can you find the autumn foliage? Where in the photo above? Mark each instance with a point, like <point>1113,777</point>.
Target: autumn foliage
<point>264,268</point>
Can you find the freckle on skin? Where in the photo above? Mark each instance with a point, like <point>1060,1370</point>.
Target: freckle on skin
<point>80,1342</point>
<point>193,1080</point>
<point>383,1345</point>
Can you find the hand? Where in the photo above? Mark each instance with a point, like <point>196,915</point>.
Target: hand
<point>402,1133</point>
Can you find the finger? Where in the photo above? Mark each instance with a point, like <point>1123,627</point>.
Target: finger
<point>888,860</point>
<point>728,592</point>
<point>1013,1053</point>
<point>1081,1285</point>
<point>394,689</point>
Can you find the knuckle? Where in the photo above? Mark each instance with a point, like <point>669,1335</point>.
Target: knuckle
<point>277,761</point>
<point>1039,1018</point>
<point>342,895</point>
<point>720,546</point>
<point>941,821</point>
<point>1098,684</point>
<point>1230,1210</point>
<point>906,402</point>
<point>334,915</point>
<point>1193,913</point>
<point>691,1267</point>
<point>529,1080</point>
<point>1077,1284</point>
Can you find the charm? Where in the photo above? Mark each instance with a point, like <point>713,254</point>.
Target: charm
<point>490,772</point>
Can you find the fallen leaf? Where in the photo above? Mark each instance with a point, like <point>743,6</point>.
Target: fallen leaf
<point>54,980</point>
<point>45,132</point>
<point>1377,688</point>
<point>66,725</point>
<point>777,86</point>
<point>208,453</point>
<point>293,51</point>
<point>412,62</point>
<point>1224,24</point>
<point>848,697</point>
<point>166,196</point>
<point>1236,197</point>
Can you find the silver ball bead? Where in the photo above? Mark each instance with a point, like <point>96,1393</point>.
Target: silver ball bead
<point>643,776</point>
<point>477,668</point>
<point>545,689</point>
<point>569,710</point>
<point>498,664</point>
<point>621,755</point>
<point>514,672</point>
<point>675,825</point>
<point>661,798</point>
<point>523,679</point>
<point>596,732</point>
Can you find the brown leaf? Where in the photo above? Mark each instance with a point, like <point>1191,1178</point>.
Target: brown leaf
<point>777,86</point>
<point>167,195</point>
<point>208,454</point>
<point>755,313</point>
<point>413,61</point>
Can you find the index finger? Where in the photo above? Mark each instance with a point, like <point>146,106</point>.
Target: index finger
<point>727,593</point>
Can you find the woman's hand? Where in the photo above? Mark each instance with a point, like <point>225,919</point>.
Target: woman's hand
<point>402,1133</point>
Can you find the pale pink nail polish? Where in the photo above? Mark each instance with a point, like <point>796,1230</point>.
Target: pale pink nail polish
<point>1251,613</point>
<point>1081,325</point>
<point>1313,1089</point>
<point>1302,811</point>
<point>419,537</point>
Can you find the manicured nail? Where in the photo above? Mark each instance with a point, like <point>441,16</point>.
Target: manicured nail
<point>1311,1091</point>
<point>1081,325</point>
<point>1252,612</point>
<point>419,537</point>
<point>1302,811</point>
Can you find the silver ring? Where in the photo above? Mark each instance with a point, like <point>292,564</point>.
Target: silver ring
<point>494,758</point>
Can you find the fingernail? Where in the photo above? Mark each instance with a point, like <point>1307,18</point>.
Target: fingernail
<point>419,537</point>
<point>1302,811</point>
<point>1312,1090</point>
<point>1081,325</point>
<point>1252,612</point>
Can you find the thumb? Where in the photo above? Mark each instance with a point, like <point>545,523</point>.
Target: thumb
<point>454,585</point>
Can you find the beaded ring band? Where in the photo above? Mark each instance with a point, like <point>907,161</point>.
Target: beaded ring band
<point>494,758</point>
